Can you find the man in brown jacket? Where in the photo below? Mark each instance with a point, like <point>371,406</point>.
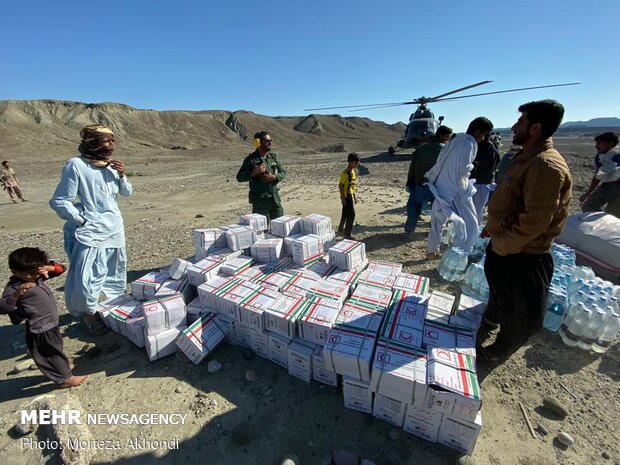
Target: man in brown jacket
<point>527,211</point>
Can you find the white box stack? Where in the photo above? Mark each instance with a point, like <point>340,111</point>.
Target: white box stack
<point>239,237</point>
<point>316,322</point>
<point>202,337</point>
<point>236,265</point>
<point>180,287</point>
<point>286,225</point>
<point>320,372</point>
<point>256,221</point>
<point>412,284</point>
<point>178,268</point>
<point>317,224</point>
<point>163,314</point>
<point>162,344</point>
<point>347,254</point>
<point>300,359</point>
<point>203,270</point>
<point>267,250</point>
<point>281,317</point>
<point>144,288</point>
<point>357,394</point>
<point>306,250</point>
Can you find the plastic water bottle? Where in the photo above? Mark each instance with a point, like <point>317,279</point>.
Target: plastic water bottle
<point>452,264</point>
<point>575,286</point>
<point>580,296</point>
<point>575,327</point>
<point>556,308</point>
<point>592,329</point>
<point>607,335</point>
<point>583,272</point>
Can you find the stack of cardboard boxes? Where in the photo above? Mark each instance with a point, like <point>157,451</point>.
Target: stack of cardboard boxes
<point>323,312</point>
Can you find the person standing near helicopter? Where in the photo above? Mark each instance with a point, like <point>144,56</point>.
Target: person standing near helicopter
<point>263,171</point>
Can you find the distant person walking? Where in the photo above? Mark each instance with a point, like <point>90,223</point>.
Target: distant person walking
<point>449,183</point>
<point>263,171</point>
<point>527,211</point>
<point>94,232</point>
<point>604,190</point>
<point>10,183</point>
<point>485,166</point>
<point>348,198</point>
<point>422,161</point>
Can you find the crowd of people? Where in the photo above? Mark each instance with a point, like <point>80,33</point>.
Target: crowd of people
<point>527,194</point>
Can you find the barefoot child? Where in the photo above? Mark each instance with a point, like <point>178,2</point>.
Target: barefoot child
<point>26,297</point>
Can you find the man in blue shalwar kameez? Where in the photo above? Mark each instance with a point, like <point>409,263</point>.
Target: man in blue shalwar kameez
<point>94,235</point>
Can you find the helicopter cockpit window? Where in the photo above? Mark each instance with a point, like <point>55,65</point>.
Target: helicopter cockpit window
<point>422,126</point>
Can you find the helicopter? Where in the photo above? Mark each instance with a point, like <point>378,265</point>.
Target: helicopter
<point>422,124</point>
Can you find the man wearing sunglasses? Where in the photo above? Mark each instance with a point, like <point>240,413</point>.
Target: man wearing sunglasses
<point>263,171</point>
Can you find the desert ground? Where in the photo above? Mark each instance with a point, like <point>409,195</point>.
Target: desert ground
<point>233,420</point>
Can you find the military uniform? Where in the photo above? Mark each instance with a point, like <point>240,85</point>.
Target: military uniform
<point>263,196</point>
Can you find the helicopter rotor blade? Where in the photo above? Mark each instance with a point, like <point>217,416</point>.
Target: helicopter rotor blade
<point>506,91</point>
<point>432,99</point>
<point>361,106</point>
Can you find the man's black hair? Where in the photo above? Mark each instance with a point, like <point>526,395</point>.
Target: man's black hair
<point>548,113</point>
<point>481,124</point>
<point>443,131</point>
<point>353,157</point>
<point>5,162</point>
<point>259,135</point>
<point>608,138</point>
<point>27,258</point>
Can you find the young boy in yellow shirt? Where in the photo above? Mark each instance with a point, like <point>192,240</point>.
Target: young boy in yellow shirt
<point>348,180</point>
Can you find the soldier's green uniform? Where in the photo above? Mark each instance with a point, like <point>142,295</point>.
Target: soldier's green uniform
<point>263,196</point>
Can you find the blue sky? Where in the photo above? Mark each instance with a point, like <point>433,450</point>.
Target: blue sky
<point>280,57</point>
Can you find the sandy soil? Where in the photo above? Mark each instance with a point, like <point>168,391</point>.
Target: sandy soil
<point>233,421</point>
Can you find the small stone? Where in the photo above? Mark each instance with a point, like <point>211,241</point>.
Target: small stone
<point>199,215</point>
<point>250,376</point>
<point>290,459</point>
<point>606,455</point>
<point>565,439</point>
<point>214,366</point>
<point>542,429</point>
<point>242,434</point>
<point>22,366</point>
<point>393,434</point>
<point>464,459</point>
<point>551,403</point>
<point>20,429</point>
<point>178,390</point>
<point>344,457</point>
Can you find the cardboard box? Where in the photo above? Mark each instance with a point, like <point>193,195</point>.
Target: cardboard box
<point>134,331</point>
<point>300,359</point>
<point>267,250</point>
<point>320,372</point>
<point>281,317</point>
<point>384,267</point>
<point>203,271</point>
<point>204,335</point>
<point>404,320</point>
<point>317,224</point>
<point>459,434</point>
<point>372,297</point>
<point>163,313</point>
<point>210,238</point>
<point>286,225</point>
<point>349,351</point>
<point>224,254</point>
<point>327,240</point>
<point>243,334</point>
<point>125,302</point>
<point>322,269</point>
<point>206,290</point>
<point>117,316</point>
<point>390,410</point>
<point>251,308</point>
<point>438,335</point>
<point>413,284</point>
<point>453,384</point>
<point>180,287</point>
<point>278,349</point>
<point>178,268</point>
<point>260,343</point>
<point>162,344</point>
<point>347,254</point>
<point>440,307</point>
<point>298,286</point>
<point>422,423</point>
<point>306,250</point>
<point>282,264</point>
<point>278,281</point>
<point>399,372</point>
<point>357,395</point>
<point>144,288</point>
<point>287,247</point>
<point>359,317</point>
<point>239,237</point>
<point>256,221</point>
<point>316,322</point>
<point>234,266</point>
<point>329,290</point>
<point>251,274</point>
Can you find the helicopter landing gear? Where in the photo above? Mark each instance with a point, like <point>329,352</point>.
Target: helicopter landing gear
<point>391,150</point>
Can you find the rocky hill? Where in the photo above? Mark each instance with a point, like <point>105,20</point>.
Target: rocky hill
<point>52,127</point>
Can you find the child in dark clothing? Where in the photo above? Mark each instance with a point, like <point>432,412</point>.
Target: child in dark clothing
<point>26,297</point>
